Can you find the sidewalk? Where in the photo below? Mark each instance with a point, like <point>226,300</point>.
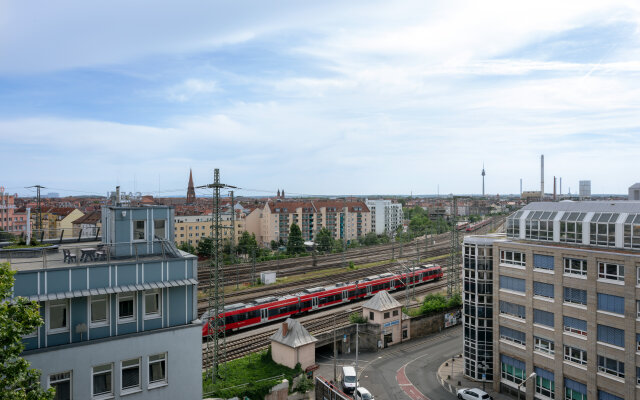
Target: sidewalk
<point>450,381</point>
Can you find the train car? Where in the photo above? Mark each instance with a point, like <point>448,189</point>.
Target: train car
<point>267,309</point>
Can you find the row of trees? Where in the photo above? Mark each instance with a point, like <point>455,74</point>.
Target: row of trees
<point>248,245</point>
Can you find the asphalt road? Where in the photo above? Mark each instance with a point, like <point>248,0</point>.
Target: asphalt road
<point>404,371</point>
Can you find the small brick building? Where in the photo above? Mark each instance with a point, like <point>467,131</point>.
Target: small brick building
<point>293,344</point>
<point>384,310</point>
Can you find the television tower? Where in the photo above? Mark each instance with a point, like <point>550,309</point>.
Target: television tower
<point>483,174</point>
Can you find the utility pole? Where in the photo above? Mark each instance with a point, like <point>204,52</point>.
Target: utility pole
<point>253,266</point>
<point>335,351</point>
<point>216,338</point>
<point>39,208</point>
<point>344,232</point>
<point>453,273</point>
<point>233,240</point>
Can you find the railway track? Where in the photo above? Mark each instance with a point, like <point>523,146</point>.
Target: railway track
<point>242,273</point>
<point>292,287</point>
<point>439,249</point>
<point>315,324</point>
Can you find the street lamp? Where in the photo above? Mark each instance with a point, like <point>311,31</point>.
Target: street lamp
<point>483,368</point>
<point>533,375</point>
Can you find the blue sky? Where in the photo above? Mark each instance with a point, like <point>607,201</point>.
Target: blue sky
<point>358,97</point>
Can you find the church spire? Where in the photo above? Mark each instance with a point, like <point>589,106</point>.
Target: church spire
<point>191,191</point>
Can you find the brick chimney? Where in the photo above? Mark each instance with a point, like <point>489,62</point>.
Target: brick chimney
<point>285,329</point>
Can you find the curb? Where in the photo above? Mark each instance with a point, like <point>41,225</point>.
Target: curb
<point>446,385</point>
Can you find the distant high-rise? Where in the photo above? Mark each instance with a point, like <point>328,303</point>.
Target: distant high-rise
<point>585,189</point>
<point>191,191</point>
<point>483,174</point>
<point>542,177</point>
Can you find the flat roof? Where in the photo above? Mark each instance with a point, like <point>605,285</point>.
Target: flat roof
<point>618,206</point>
<point>55,258</point>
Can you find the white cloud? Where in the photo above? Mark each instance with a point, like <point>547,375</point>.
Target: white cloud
<point>189,89</point>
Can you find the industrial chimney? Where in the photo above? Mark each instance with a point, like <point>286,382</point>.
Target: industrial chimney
<point>542,177</point>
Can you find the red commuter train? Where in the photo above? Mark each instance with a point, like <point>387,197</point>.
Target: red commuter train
<point>268,309</point>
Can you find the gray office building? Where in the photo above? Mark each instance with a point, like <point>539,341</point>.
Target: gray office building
<point>120,315</point>
<point>566,302</point>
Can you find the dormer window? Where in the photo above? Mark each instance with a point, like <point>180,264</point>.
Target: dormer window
<point>138,230</point>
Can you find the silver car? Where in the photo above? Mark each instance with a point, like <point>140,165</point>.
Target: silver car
<point>473,394</point>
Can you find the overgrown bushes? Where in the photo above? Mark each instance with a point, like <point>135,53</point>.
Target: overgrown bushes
<point>252,376</point>
<point>436,303</point>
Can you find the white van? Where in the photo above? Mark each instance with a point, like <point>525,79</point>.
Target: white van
<point>348,379</point>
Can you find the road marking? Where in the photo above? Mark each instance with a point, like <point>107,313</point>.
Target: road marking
<point>405,384</point>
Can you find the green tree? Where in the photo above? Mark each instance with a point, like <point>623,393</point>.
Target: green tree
<point>370,239</point>
<point>18,317</point>
<point>274,245</point>
<point>188,248</point>
<point>247,242</point>
<point>324,240</point>
<point>205,247</point>
<point>295,244</point>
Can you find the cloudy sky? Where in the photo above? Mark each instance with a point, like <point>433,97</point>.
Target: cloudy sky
<point>319,97</point>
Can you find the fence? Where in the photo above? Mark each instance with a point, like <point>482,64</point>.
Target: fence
<point>56,255</point>
<point>326,390</point>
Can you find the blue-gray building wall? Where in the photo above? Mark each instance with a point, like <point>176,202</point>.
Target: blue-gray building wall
<point>184,362</point>
<point>179,303</point>
<point>118,225</point>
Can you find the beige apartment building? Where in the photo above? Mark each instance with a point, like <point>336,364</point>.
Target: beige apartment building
<point>565,309</point>
<point>192,228</point>
<point>272,222</point>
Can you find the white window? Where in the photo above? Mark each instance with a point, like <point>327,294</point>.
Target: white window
<point>543,345</point>
<point>638,276</point>
<point>611,271</point>
<point>512,258</point>
<point>126,307</point>
<point>62,384</point>
<point>575,355</point>
<point>102,382</point>
<point>58,316</point>
<point>139,233</point>
<point>99,310</point>
<point>130,376</point>
<point>152,304</point>
<point>157,370</point>
<point>611,366</point>
<point>159,231</point>
<point>575,266</point>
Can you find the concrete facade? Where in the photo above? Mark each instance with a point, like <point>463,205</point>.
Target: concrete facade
<point>566,301</point>
<point>305,355</point>
<point>192,228</point>
<point>385,311</point>
<point>182,380</point>
<point>386,216</point>
<point>276,218</point>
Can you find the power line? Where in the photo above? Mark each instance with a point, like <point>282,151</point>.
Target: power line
<point>216,338</point>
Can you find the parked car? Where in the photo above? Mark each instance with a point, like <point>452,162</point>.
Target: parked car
<point>473,394</point>
<point>362,394</point>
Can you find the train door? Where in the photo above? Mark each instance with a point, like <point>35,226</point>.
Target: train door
<point>421,276</point>
<point>345,296</point>
<point>368,290</point>
<point>314,303</point>
<point>264,314</point>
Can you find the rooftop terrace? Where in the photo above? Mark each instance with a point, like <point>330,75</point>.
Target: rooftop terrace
<point>88,253</point>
